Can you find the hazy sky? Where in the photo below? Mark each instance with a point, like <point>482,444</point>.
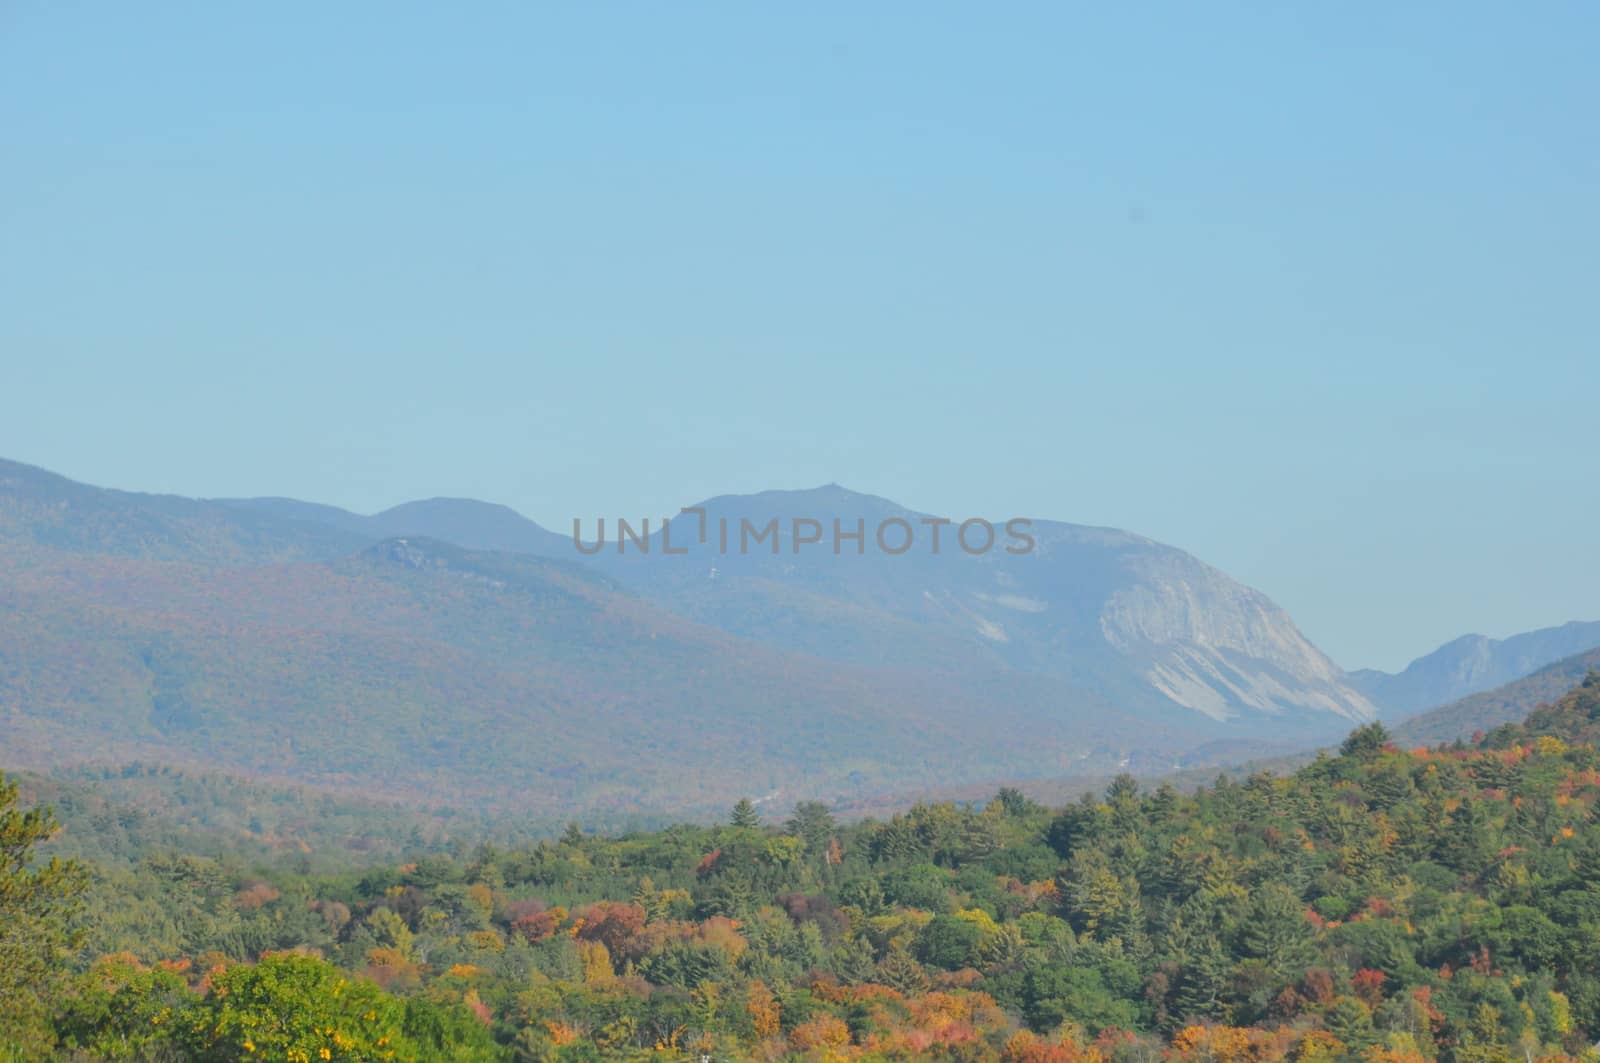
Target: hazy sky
<point>1311,294</point>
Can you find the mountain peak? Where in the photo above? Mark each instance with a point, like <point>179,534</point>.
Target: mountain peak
<point>1473,663</point>
<point>465,522</point>
<point>825,501</point>
<point>452,505</point>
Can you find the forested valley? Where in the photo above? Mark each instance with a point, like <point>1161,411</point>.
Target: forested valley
<point>1379,904</point>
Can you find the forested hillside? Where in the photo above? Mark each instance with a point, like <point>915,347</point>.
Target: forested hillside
<point>1506,704</point>
<point>437,652</point>
<point>417,670</point>
<point>1377,904</point>
<point>1472,664</point>
<point>118,815</point>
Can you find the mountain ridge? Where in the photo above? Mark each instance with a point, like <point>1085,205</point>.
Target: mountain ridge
<point>1469,665</point>
<point>287,640</point>
<point>464,521</point>
<point>49,510</point>
<point>1082,597</point>
<point>1488,709</point>
<point>417,666</point>
<point>1214,670</point>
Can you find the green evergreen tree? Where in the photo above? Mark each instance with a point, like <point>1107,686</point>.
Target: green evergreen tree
<point>1365,742</point>
<point>900,970</point>
<point>1276,932</point>
<point>1203,982</point>
<point>745,815</point>
<point>36,904</point>
<point>853,961</point>
<point>813,824</point>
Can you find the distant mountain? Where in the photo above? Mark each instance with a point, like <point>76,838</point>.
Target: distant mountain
<point>303,643</point>
<point>1141,624</point>
<point>1138,623</point>
<point>1471,664</point>
<point>416,668</point>
<point>462,521</point>
<point>1506,704</point>
<point>41,509</point>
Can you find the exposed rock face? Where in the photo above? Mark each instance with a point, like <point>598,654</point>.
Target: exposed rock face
<point>280,637</point>
<point>1219,647</point>
<point>1106,614</point>
<point>1128,618</point>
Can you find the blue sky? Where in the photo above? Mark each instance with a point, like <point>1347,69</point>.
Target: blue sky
<point>1308,292</point>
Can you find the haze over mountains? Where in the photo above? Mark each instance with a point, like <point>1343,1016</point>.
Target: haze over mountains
<point>455,649</point>
<point>463,521</point>
<point>1470,664</point>
<point>1488,709</point>
<point>1102,608</point>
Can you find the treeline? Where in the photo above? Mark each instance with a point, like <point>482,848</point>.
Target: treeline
<point>119,815</point>
<point>1383,905</point>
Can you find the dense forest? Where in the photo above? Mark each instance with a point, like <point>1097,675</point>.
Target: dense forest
<point>1377,904</point>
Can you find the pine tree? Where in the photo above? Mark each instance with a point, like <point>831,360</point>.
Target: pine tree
<point>812,823</point>
<point>732,896</point>
<point>745,815</point>
<point>900,970</point>
<point>1365,742</point>
<point>650,899</point>
<point>1014,803</point>
<point>1465,842</point>
<point>1202,983</point>
<point>853,962</point>
<point>1276,932</point>
<point>36,904</point>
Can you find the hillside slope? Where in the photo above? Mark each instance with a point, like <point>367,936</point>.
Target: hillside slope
<point>1108,612</point>
<point>1471,664</point>
<point>462,521</point>
<point>39,508</point>
<point>416,667</point>
<point>1374,904</point>
<point>1137,622</point>
<point>1510,703</point>
<point>1574,717</point>
<point>280,640</point>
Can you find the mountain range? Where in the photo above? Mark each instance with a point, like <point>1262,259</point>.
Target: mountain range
<point>1509,703</point>
<point>1470,664</point>
<point>1107,610</point>
<point>454,649</point>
